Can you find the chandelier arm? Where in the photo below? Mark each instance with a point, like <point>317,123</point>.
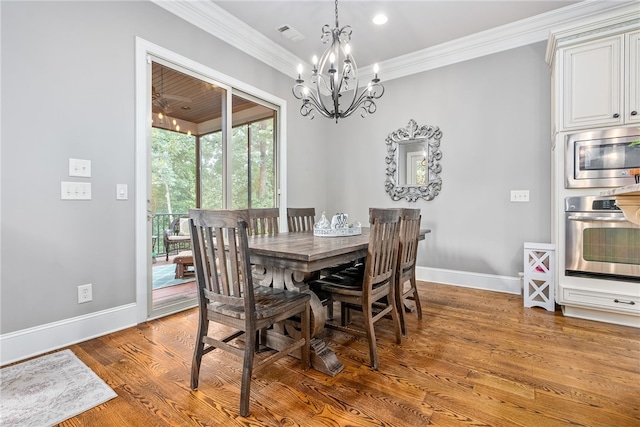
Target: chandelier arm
<point>311,101</point>
<point>298,90</point>
<point>365,94</point>
<point>319,107</point>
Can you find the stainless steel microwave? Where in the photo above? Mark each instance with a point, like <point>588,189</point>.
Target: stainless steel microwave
<point>601,158</point>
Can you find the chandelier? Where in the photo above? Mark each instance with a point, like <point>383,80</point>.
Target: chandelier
<point>334,91</point>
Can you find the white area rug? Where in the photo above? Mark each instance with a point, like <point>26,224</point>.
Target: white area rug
<point>48,390</point>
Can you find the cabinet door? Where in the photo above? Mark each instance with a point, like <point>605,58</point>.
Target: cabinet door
<point>592,78</point>
<point>632,104</point>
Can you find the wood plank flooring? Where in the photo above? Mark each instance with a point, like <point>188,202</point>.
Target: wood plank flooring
<point>477,358</point>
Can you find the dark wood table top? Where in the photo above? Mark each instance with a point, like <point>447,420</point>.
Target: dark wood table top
<point>302,251</point>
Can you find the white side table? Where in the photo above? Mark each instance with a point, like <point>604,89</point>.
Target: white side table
<point>539,265</point>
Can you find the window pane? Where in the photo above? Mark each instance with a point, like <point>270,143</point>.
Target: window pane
<point>211,170</point>
<point>239,168</point>
<point>173,173</point>
<point>262,164</point>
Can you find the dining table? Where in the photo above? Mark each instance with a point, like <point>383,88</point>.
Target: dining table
<point>290,260</point>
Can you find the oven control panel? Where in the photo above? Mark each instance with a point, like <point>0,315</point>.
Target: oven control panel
<point>592,204</point>
<point>605,205</point>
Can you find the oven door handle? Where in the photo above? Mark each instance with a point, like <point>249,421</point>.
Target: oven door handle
<point>596,218</point>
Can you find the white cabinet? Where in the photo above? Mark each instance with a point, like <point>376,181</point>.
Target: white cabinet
<point>606,301</point>
<point>592,77</point>
<point>595,85</point>
<point>600,85</point>
<point>632,79</point>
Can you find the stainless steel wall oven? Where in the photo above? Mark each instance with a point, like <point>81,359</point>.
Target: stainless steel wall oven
<point>600,242</point>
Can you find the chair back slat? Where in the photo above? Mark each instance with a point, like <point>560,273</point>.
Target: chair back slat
<point>301,219</point>
<point>383,246</point>
<point>264,221</point>
<point>409,237</point>
<point>209,239</point>
<point>221,257</point>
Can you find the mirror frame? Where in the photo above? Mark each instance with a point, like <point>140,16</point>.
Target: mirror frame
<point>431,136</point>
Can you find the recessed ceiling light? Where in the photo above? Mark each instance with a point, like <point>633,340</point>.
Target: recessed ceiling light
<point>380,19</point>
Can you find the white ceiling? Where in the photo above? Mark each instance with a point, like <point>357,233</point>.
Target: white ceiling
<point>420,34</point>
<point>412,26</point>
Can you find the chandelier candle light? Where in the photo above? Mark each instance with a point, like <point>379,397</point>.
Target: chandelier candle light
<point>335,78</point>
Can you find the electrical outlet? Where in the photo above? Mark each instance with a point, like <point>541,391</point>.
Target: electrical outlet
<point>519,195</point>
<point>84,293</point>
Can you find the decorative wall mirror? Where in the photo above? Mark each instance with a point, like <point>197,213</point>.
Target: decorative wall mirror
<point>413,167</point>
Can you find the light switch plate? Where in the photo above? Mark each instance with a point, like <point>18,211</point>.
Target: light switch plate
<point>519,195</point>
<point>122,192</point>
<point>79,167</point>
<point>75,190</point>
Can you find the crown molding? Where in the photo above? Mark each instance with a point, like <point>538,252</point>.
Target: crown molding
<point>623,19</point>
<point>216,21</point>
<point>211,18</point>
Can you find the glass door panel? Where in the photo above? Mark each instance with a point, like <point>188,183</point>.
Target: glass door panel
<point>198,162</point>
<point>254,156</point>
<point>186,173</point>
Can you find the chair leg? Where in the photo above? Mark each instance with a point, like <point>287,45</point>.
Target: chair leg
<point>330,310</point>
<point>345,314</point>
<point>367,313</point>
<point>416,298</point>
<point>198,351</point>
<point>247,368</point>
<point>399,300</point>
<point>395,316</point>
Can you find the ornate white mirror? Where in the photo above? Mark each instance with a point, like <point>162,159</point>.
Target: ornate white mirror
<point>413,162</point>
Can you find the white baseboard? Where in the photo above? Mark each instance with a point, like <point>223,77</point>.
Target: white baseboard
<point>30,342</point>
<point>488,282</point>
<point>34,341</point>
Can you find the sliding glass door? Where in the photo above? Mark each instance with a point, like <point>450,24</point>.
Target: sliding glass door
<point>211,147</point>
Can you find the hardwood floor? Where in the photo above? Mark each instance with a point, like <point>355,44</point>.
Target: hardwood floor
<point>477,358</point>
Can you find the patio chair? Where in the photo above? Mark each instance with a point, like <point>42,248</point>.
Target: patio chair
<point>177,235</point>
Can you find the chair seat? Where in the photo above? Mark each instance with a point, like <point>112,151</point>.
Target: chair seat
<point>341,284</point>
<point>269,302</point>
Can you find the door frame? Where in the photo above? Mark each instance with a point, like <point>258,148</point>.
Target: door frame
<point>144,51</point>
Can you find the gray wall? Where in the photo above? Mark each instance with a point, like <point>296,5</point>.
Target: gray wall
<point>68,91</point>
<point>494,113</point>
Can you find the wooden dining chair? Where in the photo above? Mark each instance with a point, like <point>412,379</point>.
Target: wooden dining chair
<point>301,219</point>
<point>373,292</point>
<point>227,295</point>
<point>264,221</point>
<point>406,270</point>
